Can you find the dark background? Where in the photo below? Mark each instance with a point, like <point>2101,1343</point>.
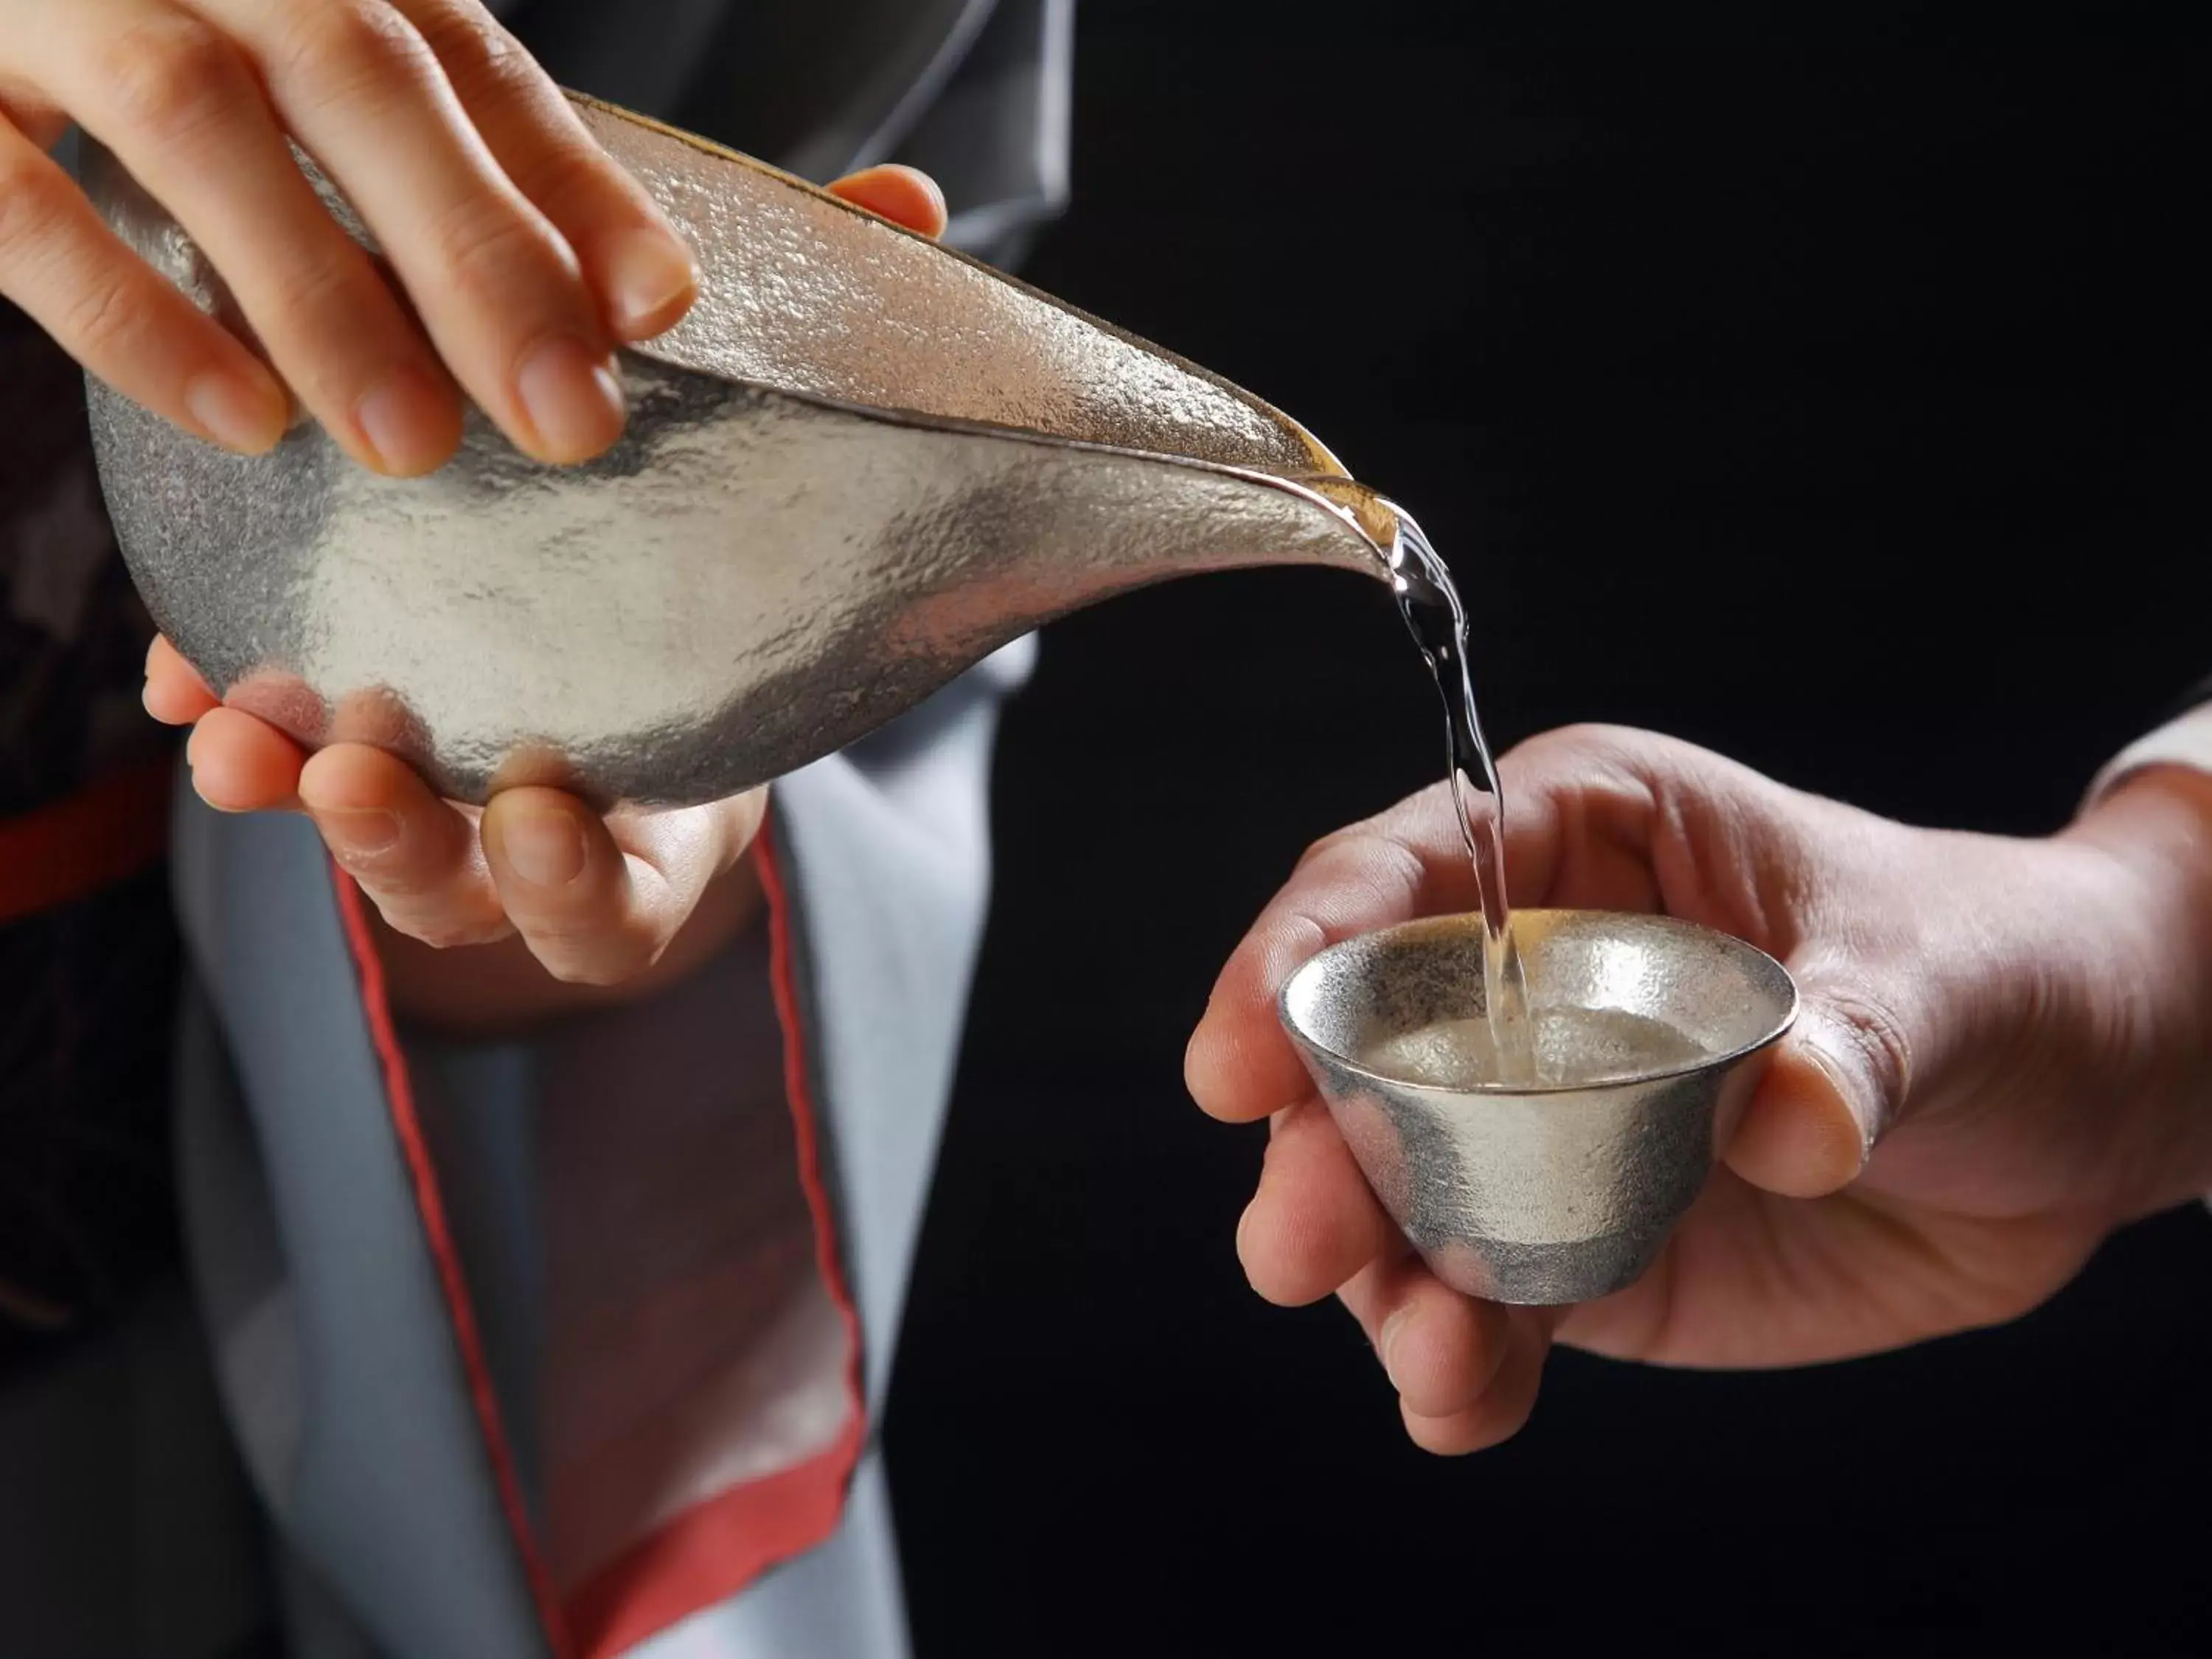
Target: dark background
<point>1836,396</point>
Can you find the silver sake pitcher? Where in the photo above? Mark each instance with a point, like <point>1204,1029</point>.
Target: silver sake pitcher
<point>861,464</point>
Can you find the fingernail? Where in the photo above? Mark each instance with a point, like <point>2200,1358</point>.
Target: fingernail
<point>934,190</point>
<point>360,834</point>
<point>571,398</point>
<point>1387,1338</point>
<point>192,766</point>
<point>546,849</point>
<point>1832,1076</point>
<point>409,421</point>
<point>649,275</point>
<point>235,412</point>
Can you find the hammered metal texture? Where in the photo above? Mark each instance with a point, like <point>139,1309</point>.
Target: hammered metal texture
<point>1539,1196</point>
<point>860,465</point>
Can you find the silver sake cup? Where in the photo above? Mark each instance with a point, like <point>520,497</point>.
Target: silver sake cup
<point>1650,1035</point>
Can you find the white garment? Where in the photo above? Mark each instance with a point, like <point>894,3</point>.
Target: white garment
<point>2185,741</point>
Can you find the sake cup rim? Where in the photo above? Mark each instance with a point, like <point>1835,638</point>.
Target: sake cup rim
<point>1471,922</point>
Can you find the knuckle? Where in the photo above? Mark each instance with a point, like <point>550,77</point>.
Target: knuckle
<point>1350,835</point>
<point>338,327</point>
<point>489,249</point>
<point>439,929</point>
<point>488,67</point>
<point>559,170</point>
<point>395,883</point>
<point>1586,734</point>
<point>1878,1048</point>
<point>30,111</point>
<point>1374,858</point>
<point>1394,868</point>
<point>334,290</point>
<point>33,202</point>
<point>570,971</point>
<point>325,290</point>
<point>1585,745</point>
<point>349,50</point>
<point>479,56</point>
<point>599,957</point>
<point>577,969</point>
<point>100,323</point>
<point>406,875</point>
<point>167,79</point>
<point>1316,850</point>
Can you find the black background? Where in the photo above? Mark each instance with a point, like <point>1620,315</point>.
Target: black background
<point>1834,395</point>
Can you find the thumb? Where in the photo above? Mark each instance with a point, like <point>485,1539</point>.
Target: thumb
<point>1839,1080</point>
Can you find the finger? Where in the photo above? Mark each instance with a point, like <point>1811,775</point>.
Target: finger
<point>905,196</point>
<point>1239,1065</point>
<point>184,111</point>
<point>240,764</point>
<point>591,913</point>
<point>1442,1351</point>
<point>414,856</point>
<point>498,289</point>
<point>1505,1405</point>
<point>32,114</point>
<point>1314,1222</point>
<point>107,308</point>
<point>1584,810</point>
<point>1838,1081</point>
<point>175,695</point>
<point>644,276</point>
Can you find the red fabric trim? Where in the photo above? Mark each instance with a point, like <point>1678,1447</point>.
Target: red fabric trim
<point>783,971</point>
<point>407,1126</point>
<point>710,1551</point>
<point>108,832</point>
